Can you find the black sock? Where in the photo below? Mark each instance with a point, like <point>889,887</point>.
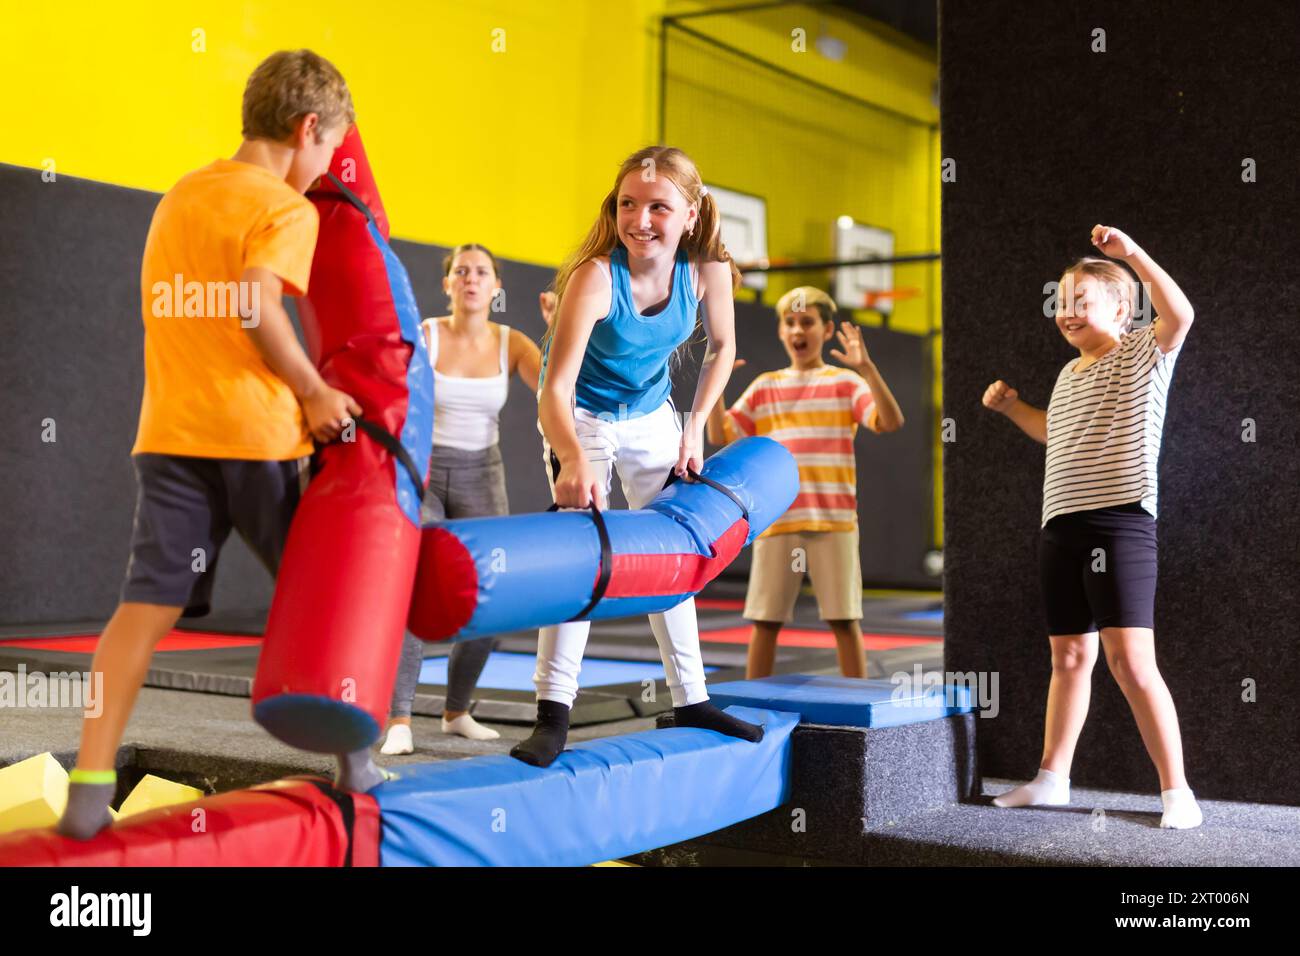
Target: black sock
<point>549,734</point>
<point>87,810</point>
<point>705,715</point>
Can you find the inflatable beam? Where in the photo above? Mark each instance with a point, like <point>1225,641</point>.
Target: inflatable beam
<point>329,656</point>
<point>482,576</point>
<point>300,821</point>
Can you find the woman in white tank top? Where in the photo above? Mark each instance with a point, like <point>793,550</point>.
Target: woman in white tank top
<point>473,359</point>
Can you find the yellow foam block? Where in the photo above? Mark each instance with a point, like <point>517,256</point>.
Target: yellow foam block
<point>33,793</point>
<point>154,792</point>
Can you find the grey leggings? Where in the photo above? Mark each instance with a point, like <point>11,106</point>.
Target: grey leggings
<point>462,484</point>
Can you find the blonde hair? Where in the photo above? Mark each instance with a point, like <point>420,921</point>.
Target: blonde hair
<point>807,296</point>
<point>288,85</point>
<point>703,244</point>
<point>1120,281</point>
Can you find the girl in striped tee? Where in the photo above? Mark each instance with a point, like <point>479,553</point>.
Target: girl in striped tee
<point>1097,552</point>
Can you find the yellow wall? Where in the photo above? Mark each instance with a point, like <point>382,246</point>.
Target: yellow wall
<point>513,149</point>
<point>813,156</point>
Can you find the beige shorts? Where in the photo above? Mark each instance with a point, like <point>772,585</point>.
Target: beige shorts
<point>780,561</point>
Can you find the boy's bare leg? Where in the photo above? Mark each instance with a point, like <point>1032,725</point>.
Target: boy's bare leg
<point>121,662</point>
<point>122,656</point>
<point>762,649</point>
<point>848,644</point>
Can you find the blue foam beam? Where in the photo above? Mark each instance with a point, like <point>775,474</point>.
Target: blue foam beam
<point>600,800</point>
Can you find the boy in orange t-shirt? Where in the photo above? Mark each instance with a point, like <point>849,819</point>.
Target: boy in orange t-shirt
<point>231,400</point>
<point>814,410</point>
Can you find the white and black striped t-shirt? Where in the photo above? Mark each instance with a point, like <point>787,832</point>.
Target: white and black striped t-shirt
<point>1104,426</point>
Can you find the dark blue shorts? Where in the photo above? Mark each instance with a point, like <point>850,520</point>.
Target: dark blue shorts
<point>1098,569</point>
<point>185,511</point>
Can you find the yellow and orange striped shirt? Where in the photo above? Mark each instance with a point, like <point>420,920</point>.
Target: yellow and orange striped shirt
<point>815,415</point>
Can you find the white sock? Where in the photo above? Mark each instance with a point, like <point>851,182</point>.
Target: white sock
<point>1181,809</point>
<point>398,741</point>
<point>467,726</point>
<point>1048,789</point>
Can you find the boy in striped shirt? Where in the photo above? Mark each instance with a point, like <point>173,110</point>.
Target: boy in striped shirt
<point>814,410</point>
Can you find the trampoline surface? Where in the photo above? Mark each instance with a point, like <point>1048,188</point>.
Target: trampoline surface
<point>218,655</point>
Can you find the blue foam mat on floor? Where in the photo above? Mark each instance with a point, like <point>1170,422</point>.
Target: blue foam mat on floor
<point>600,800</point>
<point>847,701</point>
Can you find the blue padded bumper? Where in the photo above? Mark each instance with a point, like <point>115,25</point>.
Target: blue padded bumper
<point>846,701</point>
<point>600,800</point>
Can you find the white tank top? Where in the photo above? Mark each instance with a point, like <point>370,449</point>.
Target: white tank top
<point>465,410</point>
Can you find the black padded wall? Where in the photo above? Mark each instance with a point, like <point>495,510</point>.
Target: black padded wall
<point>72,353</point>
<point>1049,138</point>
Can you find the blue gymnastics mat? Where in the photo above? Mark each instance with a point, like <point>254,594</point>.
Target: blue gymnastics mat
<point>600,800</point>
<point>846,701</point>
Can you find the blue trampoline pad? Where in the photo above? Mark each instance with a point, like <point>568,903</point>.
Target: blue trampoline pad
<point>936,615</point>
<point>509,671</point>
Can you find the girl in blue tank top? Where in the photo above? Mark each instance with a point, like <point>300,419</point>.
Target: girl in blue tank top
<point>651,265</point>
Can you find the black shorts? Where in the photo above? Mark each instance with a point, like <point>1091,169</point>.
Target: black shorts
<point>1098,569</point>
<point>184,512</point>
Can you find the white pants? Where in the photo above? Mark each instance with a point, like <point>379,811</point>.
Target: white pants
<point>644,450</point>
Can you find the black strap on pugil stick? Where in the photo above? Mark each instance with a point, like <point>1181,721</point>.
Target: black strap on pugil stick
<point>347,809</point>
<point>374,430</point>
<point>395,448</point>
<point>606,562</point>
<point>606,551</point>
<point>673,476</point>
<point>351,197</point>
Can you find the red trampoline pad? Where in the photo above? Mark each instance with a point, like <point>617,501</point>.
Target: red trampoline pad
<point>173,641</point>
<point>802,637</point>
<point>720,604</point>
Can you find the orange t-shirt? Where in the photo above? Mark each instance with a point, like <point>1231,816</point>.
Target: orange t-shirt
<point>208,393</point>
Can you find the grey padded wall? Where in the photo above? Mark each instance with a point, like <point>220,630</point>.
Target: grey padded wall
<point>1050,138</point>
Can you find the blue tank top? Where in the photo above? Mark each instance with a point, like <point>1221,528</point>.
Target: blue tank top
<point>626,363</point>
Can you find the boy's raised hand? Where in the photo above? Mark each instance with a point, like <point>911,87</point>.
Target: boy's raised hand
<point>855,350</point>
<point>1000,397</point>
<point>1112,242</point>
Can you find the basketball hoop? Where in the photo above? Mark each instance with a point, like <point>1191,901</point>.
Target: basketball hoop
<point>871,300</point>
